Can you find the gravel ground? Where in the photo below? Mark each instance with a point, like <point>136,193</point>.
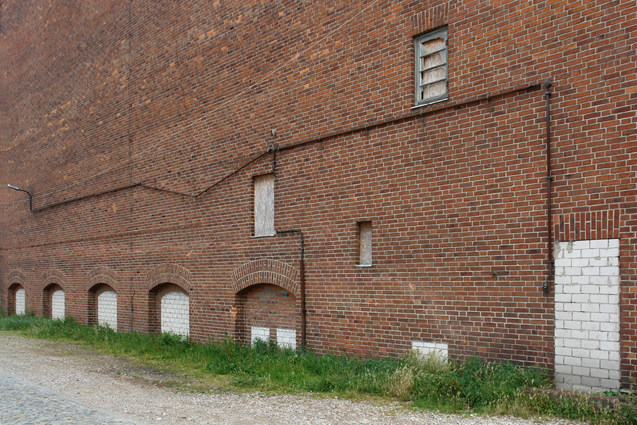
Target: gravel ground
<point>139,393</point>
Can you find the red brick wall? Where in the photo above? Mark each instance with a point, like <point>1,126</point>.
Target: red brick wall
<point>267,306</point>
<point>177,95</point>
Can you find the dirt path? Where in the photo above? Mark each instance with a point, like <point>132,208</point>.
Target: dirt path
<point>143,394</point>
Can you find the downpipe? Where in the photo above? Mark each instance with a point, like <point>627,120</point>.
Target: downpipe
<point>546,285</point>
<point>302,272</point>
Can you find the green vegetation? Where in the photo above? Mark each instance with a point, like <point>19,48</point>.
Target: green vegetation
<point>472,386</point>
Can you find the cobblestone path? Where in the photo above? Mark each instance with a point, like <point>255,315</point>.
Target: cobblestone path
<point>25,403</point>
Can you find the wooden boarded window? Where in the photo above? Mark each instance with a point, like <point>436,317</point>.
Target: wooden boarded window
<point>264,205</point>
<point>431,67</point>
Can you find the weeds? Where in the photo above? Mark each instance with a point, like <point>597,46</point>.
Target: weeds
<point>472,386</point>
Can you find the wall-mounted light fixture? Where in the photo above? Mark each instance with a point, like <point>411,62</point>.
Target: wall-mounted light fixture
<point>10,186</point>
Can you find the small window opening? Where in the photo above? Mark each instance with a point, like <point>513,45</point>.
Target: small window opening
<point>264,205</point>
<point>431,67</point>
<point>365,243</point>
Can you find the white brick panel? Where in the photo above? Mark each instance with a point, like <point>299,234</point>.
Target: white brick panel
<point>57,305</point>
<point>259,332</point>
<point>20,302</point>
<point>286,338</point>
<point>107,309</point>
<point>175,313</point>
<point>438,349</point>
<point>587,315</point>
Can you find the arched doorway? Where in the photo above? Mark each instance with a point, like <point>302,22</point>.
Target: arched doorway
<point>169,310</point>
<point>269,313</point>
<point>102,306</point>
<point>17,299</point>
<point>54,302</point>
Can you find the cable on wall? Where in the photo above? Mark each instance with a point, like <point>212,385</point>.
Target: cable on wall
<point>304,142</point>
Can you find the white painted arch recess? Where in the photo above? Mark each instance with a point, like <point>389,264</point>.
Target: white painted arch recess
<point>175,313</point>
<point>107,309</point>
<point>58,305</point>
<point>20,302</point>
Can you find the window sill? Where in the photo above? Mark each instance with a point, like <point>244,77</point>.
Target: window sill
<point>422,105</point>
<point>262,236</point>
<point>363,266</point>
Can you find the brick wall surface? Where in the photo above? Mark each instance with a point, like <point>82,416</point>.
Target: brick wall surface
<point>112,114</point>
<point>266,306</point>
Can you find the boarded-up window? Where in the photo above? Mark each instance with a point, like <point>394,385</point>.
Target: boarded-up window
<point>264,205</point>
<point>365,243</point>
<point>431,67</point>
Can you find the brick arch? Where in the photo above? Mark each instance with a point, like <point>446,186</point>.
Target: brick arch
<point>266,271</point>
<point>100,279</point>
<point>52,280</point>
<point>14,277</point>
<point>103,275</point>
<point>168,273</point>
<point>54,277</point>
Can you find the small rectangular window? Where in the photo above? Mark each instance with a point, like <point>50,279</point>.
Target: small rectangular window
<point>365,243</point>
<point>431,67</point>
<point>264,205</point>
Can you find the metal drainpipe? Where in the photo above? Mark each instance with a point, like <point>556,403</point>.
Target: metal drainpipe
<point>546,285</point>
<point>25,191</point>
<point>302,272</point>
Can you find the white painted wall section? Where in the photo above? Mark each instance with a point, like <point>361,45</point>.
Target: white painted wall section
<point>57,305</point>
<point>429,348</point>
<point>286,338</point>
<point>107,309</point>
<point>175,313</point>
<point>587,315</point>
<point>260,332</point>
<point>20,302</point>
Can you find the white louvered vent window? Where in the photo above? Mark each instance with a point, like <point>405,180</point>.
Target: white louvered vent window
<point>431,67</point>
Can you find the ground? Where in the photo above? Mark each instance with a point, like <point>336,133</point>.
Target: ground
<point>141,394</point>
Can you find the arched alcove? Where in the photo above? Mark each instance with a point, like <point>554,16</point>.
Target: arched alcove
<point>266,304</point>
<point>169,299</point>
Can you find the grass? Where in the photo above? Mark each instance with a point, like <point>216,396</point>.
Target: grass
<point>473,386</point>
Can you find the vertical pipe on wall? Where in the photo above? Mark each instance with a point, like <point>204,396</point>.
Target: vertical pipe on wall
<point>302,289</point>
<point>549,178</point>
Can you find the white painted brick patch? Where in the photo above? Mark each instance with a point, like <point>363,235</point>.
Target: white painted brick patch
<point>286,338</point>
<point>175,313</point>
<point>587,315</point>
<point>426,348</point>
<point>260,332</point>
<point>58,305</point>
<point>107,309</point>
<point>20,302</point>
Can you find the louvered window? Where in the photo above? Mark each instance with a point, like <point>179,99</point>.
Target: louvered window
<point>431,67</point>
